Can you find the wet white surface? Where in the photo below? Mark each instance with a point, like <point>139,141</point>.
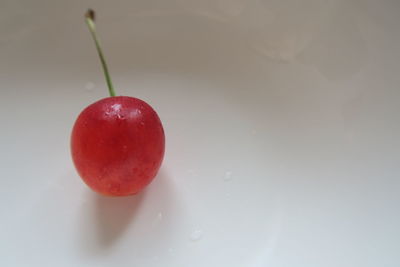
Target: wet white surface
<point>297,103</point>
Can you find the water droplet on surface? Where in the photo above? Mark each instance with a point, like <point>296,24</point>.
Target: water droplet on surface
<point>196,235</point>
<point>228,176</point>
<point>116,107</point>
<point>157,219</point>
<point>89,86</point>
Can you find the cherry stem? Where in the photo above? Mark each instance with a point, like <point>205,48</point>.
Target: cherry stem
<point>89,18</point>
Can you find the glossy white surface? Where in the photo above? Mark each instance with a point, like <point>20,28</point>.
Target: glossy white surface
<point>282,126</point>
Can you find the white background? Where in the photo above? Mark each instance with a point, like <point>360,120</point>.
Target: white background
<point>282,126</point>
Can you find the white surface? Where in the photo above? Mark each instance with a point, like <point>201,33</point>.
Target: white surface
<point>282,126</point>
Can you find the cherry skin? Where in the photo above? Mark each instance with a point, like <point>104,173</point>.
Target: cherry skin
<point>117,145</point>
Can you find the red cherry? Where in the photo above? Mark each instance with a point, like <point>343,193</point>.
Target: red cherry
<point>117,145</point>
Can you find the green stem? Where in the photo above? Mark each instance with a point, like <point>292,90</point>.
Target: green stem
<point>89,18</point>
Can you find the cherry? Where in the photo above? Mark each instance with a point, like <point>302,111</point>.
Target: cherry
<point>118,142</point>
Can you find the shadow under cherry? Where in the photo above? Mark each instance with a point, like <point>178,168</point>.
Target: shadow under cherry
<point>113,215</point>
